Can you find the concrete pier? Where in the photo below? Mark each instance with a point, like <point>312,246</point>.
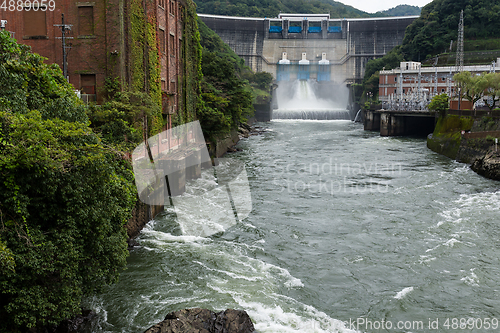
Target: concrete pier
<point>193,163</point>
<point>177,180</point>
<point>399,123</point>
<point>371,120</point>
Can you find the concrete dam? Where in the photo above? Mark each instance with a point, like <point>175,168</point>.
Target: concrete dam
<point>313,58</point>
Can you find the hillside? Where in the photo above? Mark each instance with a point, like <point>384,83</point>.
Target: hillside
<point>271,8</point>
<point>402,10</point>
<point>438,25</point>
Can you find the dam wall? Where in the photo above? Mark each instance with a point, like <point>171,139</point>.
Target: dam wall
<point>333,49</point>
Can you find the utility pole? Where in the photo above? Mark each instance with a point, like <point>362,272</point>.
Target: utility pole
<point>419,83</point>
<point>460,53</point>
<point>64,28</point>
<point>436,81</point>
<point>401,86</point>
<point>460,44</point>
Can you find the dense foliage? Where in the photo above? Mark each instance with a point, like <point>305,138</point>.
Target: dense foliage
<point>119,120</point>
<point>271,8</point>
<point>64,197</point>
<point>479,87</point>
<point>438,25</point>
<point>371,78</point>
<point>228,86</point>
<point>402,10</point>
<point>439,103</point>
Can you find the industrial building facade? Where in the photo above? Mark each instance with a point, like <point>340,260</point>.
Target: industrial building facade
<point>99,42</point>
<point>411,80</point>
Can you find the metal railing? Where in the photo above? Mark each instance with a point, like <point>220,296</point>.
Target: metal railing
<point>88,98</point>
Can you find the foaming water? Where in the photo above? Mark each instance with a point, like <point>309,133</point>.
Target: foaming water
<point>311,114</point>
<point>344,225</point>
<point>169,272</point>
<point>299,100</point>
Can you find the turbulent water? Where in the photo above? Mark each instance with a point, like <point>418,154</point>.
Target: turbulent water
<point>298,100</point>
<point>348,231</point>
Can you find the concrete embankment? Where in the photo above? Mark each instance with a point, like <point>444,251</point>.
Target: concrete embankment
<point>143,213</point>
<point>469,139</point>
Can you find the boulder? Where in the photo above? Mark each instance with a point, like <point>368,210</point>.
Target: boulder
<point>204,321</point>
<point>488,165</point>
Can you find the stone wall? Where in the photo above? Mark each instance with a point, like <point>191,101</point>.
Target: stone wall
<point>141,214</point>
<point>476,147</point>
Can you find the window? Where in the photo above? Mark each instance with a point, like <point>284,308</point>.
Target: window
<point>161,3</point>
<point>86,21</point>
<point>442,90</point>
<point>162,41</point>
<point>87,83</point>
<point>395,79</point>
<point>172,45</point>
<point>172,7</point>
<point>35,24</point>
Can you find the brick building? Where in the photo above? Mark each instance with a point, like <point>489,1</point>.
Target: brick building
<point>108,39</point>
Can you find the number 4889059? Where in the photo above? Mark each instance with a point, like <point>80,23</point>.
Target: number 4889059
<point>471,323</point>
<point>35,5</point>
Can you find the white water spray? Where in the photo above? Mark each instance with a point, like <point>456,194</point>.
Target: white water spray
<point>302,99</point>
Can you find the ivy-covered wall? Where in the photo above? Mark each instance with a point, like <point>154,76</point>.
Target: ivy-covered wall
<point>144,59</point>
<point>190,91</point>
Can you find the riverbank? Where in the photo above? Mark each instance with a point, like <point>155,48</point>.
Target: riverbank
<point>346,224</point>
<point>470,140</point>
<point>143,213</point>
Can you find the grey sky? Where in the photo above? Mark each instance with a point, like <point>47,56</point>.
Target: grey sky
<point>372,6</point>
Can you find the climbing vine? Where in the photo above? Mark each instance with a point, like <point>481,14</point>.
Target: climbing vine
<point>191,75</point>
<point>145,60</point>
<point>137,45</point>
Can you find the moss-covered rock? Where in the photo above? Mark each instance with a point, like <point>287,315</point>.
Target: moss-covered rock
<point>448,134</point>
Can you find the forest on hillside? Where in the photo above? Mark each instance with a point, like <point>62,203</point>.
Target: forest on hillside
<point>432,32</point>
<point>271,8</point>
<point>438,25</point>
<point>402,10</point>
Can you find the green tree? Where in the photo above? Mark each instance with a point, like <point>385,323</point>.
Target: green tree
<point>472,86</point>
<point>64,197</point>
<point>228,86</point>
<point>493,90</point>
<point>440,103</point>
<point>371,78</point>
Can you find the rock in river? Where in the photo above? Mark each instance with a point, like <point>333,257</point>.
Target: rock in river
<point>488,166</point>
<point>204,321</point>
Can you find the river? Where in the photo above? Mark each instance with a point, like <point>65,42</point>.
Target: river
<point>349,231</point>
